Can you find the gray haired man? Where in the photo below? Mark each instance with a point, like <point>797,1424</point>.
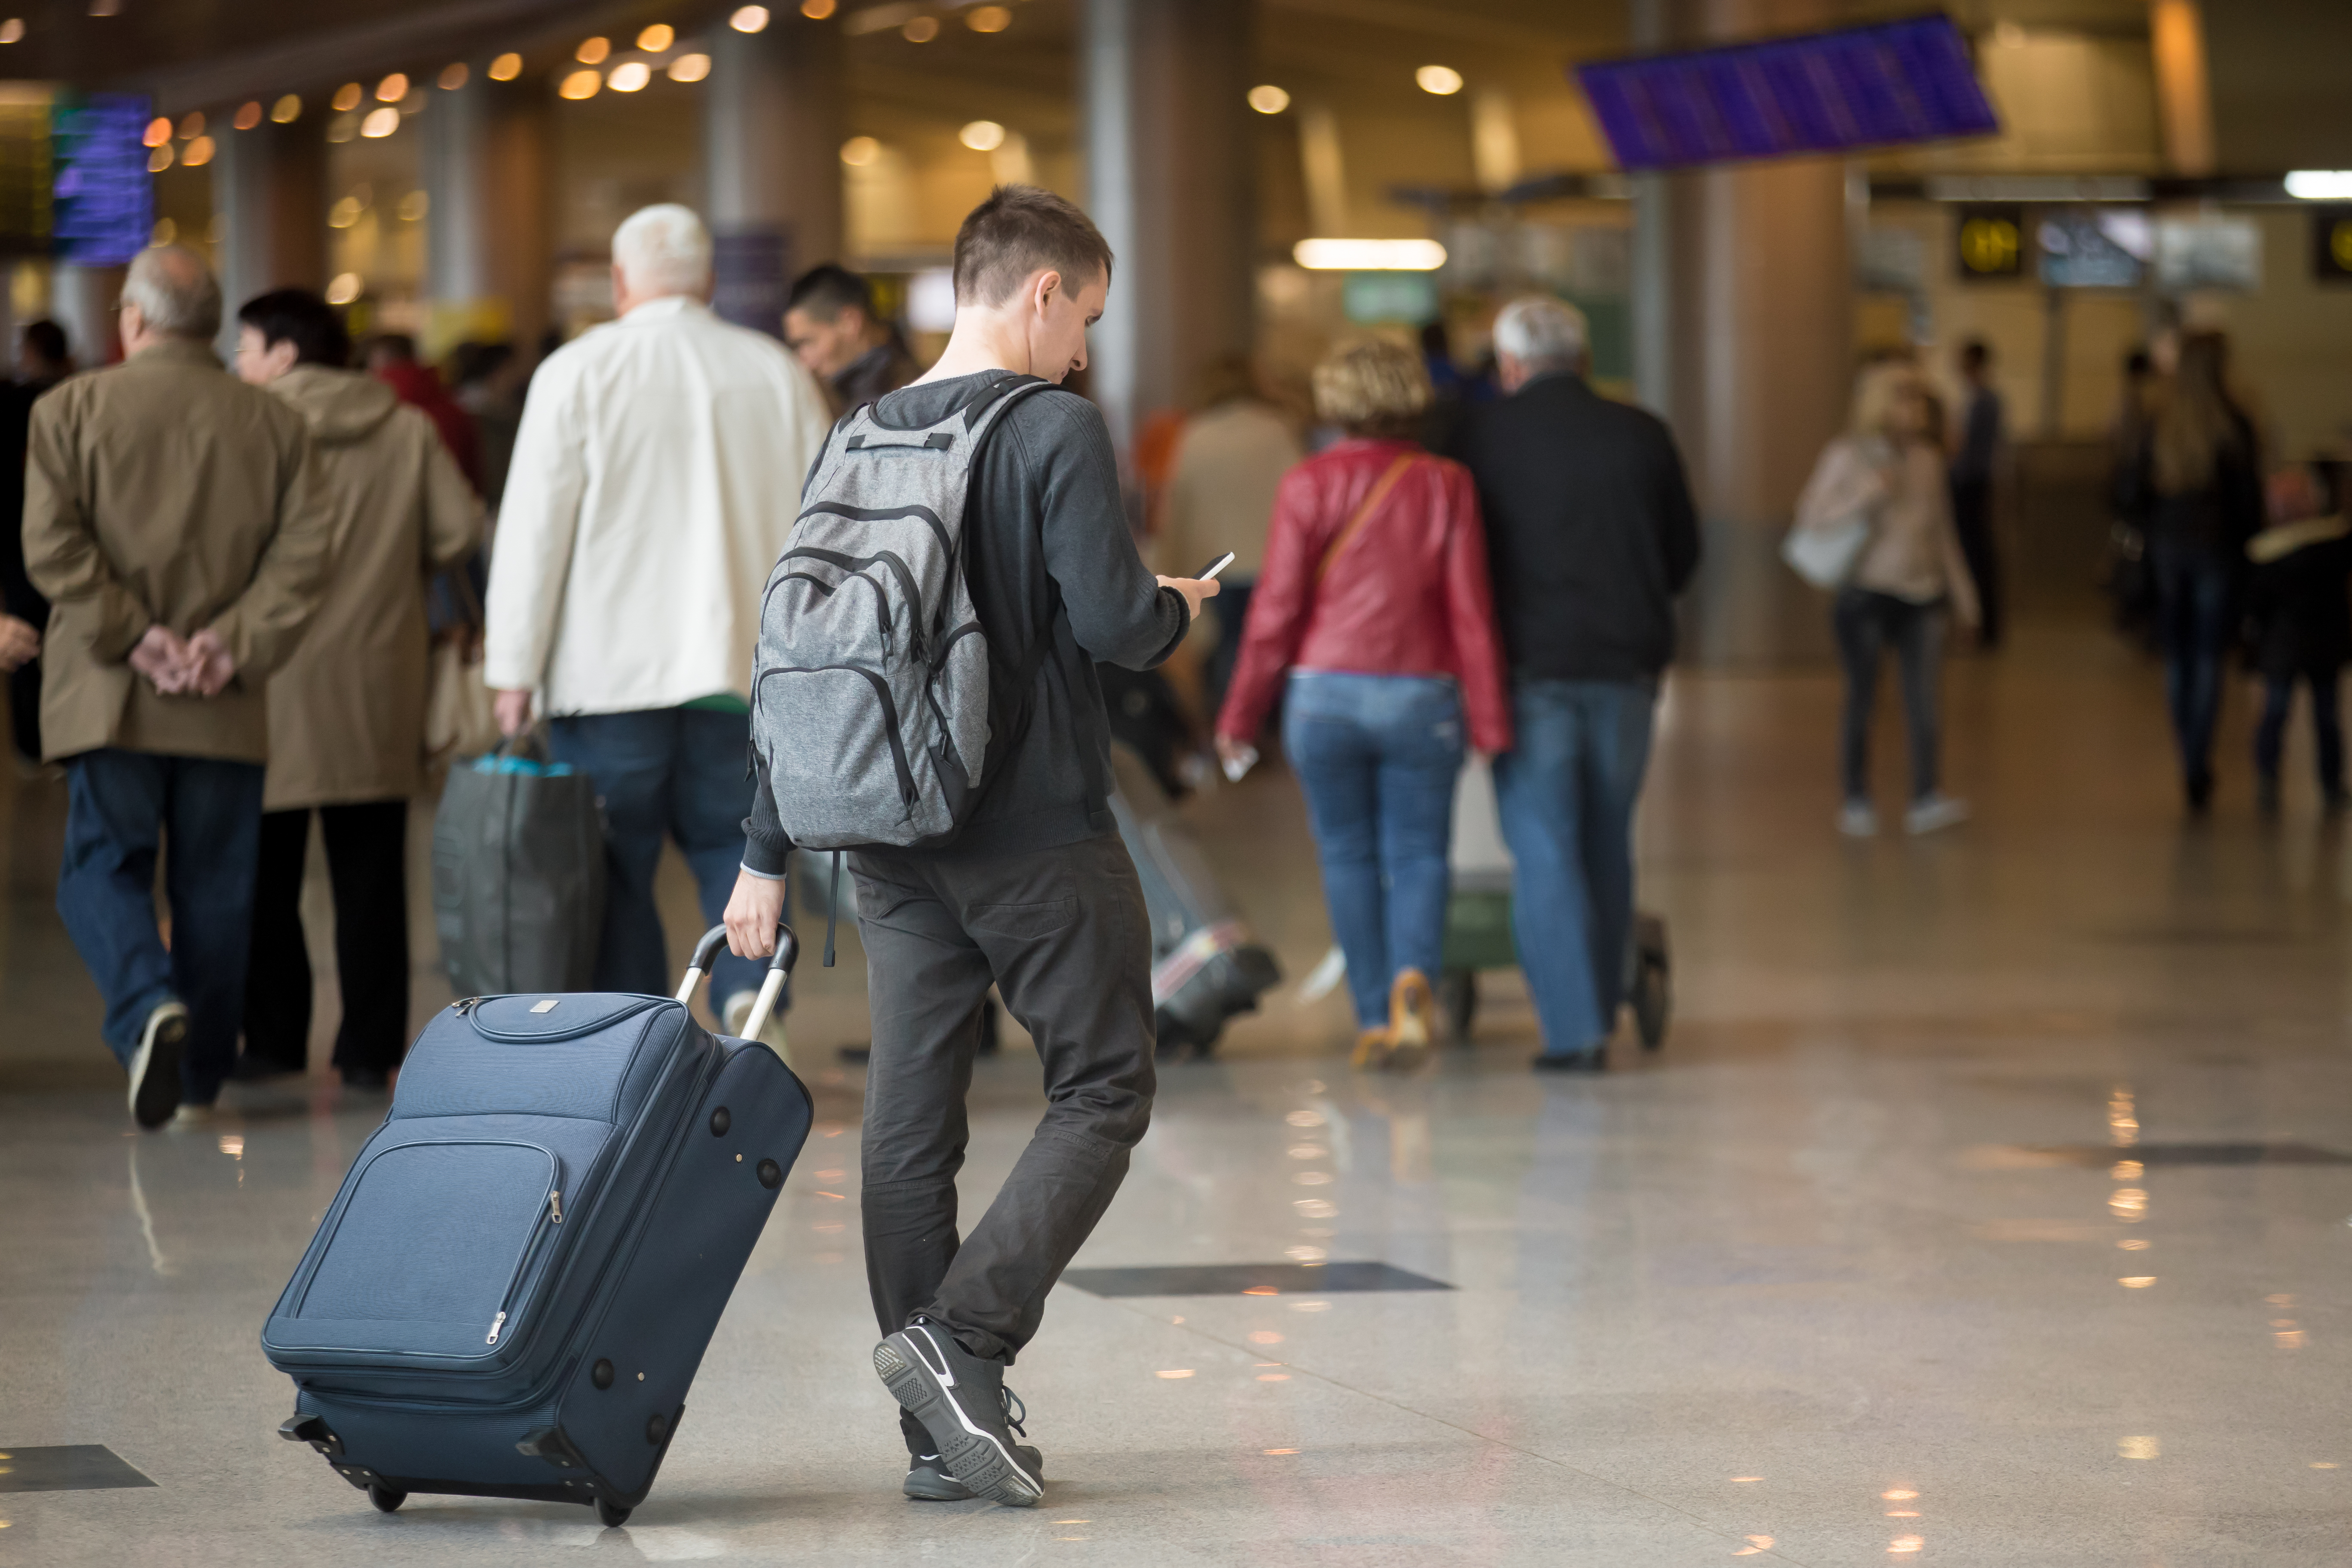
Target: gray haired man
<point>1589,535</point>
<point>171,520</point>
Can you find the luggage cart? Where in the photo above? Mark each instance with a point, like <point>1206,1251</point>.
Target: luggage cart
<point>1478,922</point>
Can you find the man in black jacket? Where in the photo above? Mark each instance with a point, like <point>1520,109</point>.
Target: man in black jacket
<point>1589,535</point>
<point>1036,894</point>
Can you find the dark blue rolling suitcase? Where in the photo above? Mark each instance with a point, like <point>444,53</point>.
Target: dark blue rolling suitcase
<point>511,1292</point>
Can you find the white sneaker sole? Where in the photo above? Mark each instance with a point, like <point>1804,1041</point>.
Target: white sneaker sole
<point>971,1455</point>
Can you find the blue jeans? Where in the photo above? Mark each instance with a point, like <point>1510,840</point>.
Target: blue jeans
<point>121,808</point>
<point>1566,793</point>
<point>1378,755</point>
<point>2193,589</point>
<point>674,770</point>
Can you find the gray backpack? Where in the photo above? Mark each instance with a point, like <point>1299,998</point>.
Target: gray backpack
<point>869,698</point>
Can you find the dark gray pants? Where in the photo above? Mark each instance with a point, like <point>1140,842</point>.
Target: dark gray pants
<point>1062,934</point>
<point>1867,623</point>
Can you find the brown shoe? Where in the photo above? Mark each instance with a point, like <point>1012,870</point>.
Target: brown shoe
<point>1371,1050</point>
<point>1412,1020</point>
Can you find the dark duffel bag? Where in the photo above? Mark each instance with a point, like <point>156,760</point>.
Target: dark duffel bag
<point>517,875</point>
<point>512,1293</point>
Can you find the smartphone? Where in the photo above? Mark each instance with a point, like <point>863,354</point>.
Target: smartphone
<point>1209,573</point>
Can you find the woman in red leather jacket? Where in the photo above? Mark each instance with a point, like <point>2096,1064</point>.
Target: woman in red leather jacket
<point>1374,606</point>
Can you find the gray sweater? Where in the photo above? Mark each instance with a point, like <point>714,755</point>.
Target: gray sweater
<point>1057,584</point>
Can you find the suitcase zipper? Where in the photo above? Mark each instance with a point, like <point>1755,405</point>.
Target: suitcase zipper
<point>554,1216</point>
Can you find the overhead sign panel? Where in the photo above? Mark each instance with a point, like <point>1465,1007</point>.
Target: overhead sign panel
<point>105,200</point>
<point>1874,86</point>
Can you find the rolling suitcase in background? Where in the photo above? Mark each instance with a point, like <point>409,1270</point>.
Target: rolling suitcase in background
<point>1206,965</point>
<point>511,1292</point>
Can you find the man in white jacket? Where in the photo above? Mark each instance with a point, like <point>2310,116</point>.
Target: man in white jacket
<point>657,473</point>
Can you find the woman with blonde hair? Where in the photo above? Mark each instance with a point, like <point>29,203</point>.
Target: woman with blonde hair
<point>1884,477</point>
<point>2197,476</point>
<point>1373,620</point>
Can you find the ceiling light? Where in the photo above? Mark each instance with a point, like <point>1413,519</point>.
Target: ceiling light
<point>380,123</point>
<point>860,151</point>
<point>414,206</point>
<point>392,88</point>
<point>164,232</point>
<point>981,135</point>
<point>921,30</point>
<point>656,38</point>
<point>629,76</point>
<point>1443,80</point>
<point>287,109</point>
<point>453,76</point>
<point>749,19</point>
<point>345,288</point>
<point>689,67</point>
<point>506,67</point>
<point>192,124</point>
<point>159,131</point>
<point>198,153</point>
<point>348,95</point>
<point>818,10</point>
<point>12,30</point>
<point>580,85</point>
<point>1369,254</point>
<point>160,159</point>
<point>248,115</point>
<point>988,19</point>
<point>344,213</point>
<point>591,51</point>
<point>2320,184</point>
<point>1268,98</point>
<point>106,7</point>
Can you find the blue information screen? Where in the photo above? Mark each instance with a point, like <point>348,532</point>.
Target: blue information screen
<point>1818,92</point>
<point>105,206</point>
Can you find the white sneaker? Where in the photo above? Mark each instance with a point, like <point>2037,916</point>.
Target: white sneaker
<point>1933,812</point>
<point>1858,819</point>
<point>155,1067</point>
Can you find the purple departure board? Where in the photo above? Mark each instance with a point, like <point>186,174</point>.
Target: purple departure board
<point>1817,92</point>
<point>105,203</point>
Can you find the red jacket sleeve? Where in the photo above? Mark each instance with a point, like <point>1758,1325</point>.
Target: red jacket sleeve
<point>1470,607</point>
<point>1280,607</point>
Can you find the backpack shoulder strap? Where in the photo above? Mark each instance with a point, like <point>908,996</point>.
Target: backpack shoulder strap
<point>1364,512</point>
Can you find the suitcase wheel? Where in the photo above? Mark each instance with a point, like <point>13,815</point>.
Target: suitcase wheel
<point>611,1513</point>
<point>385,1497</point>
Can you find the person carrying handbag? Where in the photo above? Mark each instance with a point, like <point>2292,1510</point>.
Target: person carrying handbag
<point>1875,522</point>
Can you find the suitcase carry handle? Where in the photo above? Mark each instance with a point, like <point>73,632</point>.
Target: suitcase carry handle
<point>706,952</point>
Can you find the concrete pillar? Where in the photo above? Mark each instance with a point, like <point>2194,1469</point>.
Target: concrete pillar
<point>269,187</point>
<point>771,148</point>
<point>489,226</point>
<point>83,301</point>
<point>1743,328</point>
<point>1170,181</point>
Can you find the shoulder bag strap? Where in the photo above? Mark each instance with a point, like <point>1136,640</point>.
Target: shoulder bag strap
<point>1363,513</point>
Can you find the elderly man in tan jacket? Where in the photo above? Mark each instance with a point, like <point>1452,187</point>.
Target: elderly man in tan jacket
<point>169,517</point>
<point>347,711</point>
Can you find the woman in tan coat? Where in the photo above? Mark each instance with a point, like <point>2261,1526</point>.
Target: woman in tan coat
<point>347,711</point>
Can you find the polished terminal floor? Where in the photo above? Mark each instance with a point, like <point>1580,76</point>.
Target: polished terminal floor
<point>1987,1205</point>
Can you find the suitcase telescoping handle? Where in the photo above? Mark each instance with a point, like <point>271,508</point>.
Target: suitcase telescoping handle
<point>706,952</point>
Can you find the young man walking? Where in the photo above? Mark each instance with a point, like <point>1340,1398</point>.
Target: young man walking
<point>1034,893</point>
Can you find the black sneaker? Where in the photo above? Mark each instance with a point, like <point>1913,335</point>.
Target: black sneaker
<point>928,1479</point>
<point>1593,1060</point>
<point>962,1401</point>
<point>155,1068</point>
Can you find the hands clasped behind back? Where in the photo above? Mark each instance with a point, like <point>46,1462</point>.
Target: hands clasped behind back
<point>199,666</point>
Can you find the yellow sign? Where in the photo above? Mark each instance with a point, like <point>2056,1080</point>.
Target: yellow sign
<point>2339,243</point>
<point>1989,247</point>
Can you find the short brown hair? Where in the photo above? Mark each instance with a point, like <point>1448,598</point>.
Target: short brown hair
<point>1015,232</point>
<point>1373,388</point>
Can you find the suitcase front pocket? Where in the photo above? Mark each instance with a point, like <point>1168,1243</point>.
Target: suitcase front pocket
<point>433,1246</point>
